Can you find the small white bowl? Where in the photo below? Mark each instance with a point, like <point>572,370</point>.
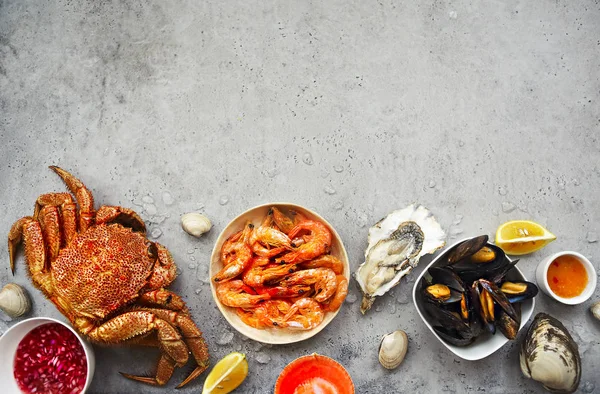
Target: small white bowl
<point>256,216</point>
<point>8,347</point>
<point>485,344</point>
<point>541,275</point>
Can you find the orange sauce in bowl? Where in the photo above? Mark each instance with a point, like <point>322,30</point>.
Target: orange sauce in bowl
<point>567,276</point>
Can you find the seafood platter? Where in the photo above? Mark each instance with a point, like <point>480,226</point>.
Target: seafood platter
<point>279,273</point>
<point>323,269</point>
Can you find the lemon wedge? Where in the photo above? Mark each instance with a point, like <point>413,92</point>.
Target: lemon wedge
<point>227,374</point>
<point>519,237</point>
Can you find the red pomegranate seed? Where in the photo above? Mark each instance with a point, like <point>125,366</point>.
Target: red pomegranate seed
<point>50,360</point>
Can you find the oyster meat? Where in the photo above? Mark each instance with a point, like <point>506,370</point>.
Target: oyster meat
<point>396,243</point>
<point>550,356</point>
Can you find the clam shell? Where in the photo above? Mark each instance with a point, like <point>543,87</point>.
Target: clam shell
<point>14,300</point>
<point>392,349</point>
<point>195,224</point>
<point>550,356</point>
<point>595,309</point>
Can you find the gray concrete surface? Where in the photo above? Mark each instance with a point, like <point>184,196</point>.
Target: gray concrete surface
<point>482,111</point>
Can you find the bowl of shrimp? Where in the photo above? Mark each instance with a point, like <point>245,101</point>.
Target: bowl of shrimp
<point>279,273</point>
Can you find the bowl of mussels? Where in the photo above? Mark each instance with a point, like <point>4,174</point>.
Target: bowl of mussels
<point>474,298</point>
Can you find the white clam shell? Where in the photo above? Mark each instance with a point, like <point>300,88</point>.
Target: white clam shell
<point>392,349</point>
<point>195,224</point>
<point>14,300</point>
<point>595,309</point>
<point>550,356</point>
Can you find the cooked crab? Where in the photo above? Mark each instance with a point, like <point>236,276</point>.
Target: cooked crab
<point>102,273</point>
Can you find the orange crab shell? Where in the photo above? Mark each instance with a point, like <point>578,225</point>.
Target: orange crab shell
<point>102,270</point>
<point>314,374</point>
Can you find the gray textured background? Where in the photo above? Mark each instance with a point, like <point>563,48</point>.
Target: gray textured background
<point>482,110</point>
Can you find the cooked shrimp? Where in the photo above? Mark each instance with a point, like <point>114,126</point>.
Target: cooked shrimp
<point>236,294</point>
<point>323,280</point>
<point>268,241</point>
<point>259,275</point>
<point>318,242</point>
<point>325,261</point>
<point>284,292</point>
<point>268,314</point>
<point>340,294</point>
<point>304,314</point>
<point>238,256</point>
<point>228,245</point>
<point>282,221</point>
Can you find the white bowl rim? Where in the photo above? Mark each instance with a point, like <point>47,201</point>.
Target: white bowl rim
<point>591,271</point>
<point>451,347</point>
<point>302,335</point>
<point>89,356</point>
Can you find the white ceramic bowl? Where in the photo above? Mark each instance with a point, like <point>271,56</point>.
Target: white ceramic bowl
<point>485,344</point>
<point>8,347</point>
<point>542,278</point>
<point>256,216</point>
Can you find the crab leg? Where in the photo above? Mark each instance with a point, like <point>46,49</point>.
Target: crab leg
<point>164,371</point>
<point>68,211</point>
<point>82,194</point>
<point>49,221</point>
<point>28,230</point>
<point>192,336</point>
<point>164,299</point>
<point>139,322</point>
<point>124,216</point>
<point>165,270</point>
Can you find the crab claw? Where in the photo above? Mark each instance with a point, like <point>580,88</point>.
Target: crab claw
<point>193,375</point>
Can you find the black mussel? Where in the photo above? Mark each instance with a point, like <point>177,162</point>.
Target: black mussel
<point>447,277</point>
<point>466,249</point>
<point>446,317</point>
<point>506,324</point>
<point>518,291</point>
<point>442,293</point>
<point>484,255</point>
<point>453,337</point>
<point>489,295</point>
<point>493,270</point>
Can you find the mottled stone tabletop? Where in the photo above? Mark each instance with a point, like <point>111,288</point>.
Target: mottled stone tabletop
<point>482,111</point>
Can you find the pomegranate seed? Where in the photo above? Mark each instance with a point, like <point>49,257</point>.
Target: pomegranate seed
<point>50,359</point>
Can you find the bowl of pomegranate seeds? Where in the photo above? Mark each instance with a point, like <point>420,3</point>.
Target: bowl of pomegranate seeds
<point>44,355</point>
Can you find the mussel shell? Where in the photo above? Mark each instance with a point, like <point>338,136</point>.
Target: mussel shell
<point>453,337</point>
<point>550,355</point>
<point>447,277</point>
<point>392,349</point>
<point>515,295</point>
<point>506,324</point>
<point>434,293</point>
<point>466,249</point>
<point>493,270</point>
<point>445,317</point>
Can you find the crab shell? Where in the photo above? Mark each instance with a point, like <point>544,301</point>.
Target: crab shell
<point>433,239</point>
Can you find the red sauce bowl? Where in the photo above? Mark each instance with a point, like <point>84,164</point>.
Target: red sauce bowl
<point>306,373</point>
<point>9,343</point>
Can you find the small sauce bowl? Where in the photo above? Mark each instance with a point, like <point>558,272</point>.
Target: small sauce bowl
<point>541,275</point>
<point>8,348</point>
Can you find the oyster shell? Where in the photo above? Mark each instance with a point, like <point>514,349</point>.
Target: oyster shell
<point>550,356</point>
<point>392,349</point>
<point>14,300</point>
<point>396,243</point>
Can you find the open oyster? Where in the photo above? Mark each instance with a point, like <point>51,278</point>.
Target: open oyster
<point>396,243</point>
<point>550,356</point>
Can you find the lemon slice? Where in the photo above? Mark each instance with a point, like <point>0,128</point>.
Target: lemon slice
<point>229,373</point>
<point>519,237</point>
